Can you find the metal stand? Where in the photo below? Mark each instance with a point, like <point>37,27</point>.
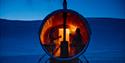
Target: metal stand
<point>64,43</point>
<point>53,60</point>
<point>76,60</point>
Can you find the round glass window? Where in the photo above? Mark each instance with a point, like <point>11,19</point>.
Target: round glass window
<point>77,34</point>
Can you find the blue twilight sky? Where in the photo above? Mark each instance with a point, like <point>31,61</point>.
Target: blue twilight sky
<point>39,9</point>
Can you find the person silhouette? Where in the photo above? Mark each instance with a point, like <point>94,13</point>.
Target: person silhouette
<point>77,42</point>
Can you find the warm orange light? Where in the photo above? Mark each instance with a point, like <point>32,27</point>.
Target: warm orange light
<point>46,26</point>
<point>72,28</point>
<point>61,34</point>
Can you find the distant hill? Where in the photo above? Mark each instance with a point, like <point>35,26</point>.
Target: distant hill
<point>22,38</point>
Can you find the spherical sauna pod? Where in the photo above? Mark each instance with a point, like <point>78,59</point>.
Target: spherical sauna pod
<point>68,44</point>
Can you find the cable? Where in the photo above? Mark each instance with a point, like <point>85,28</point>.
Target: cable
<point>41,58</point>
